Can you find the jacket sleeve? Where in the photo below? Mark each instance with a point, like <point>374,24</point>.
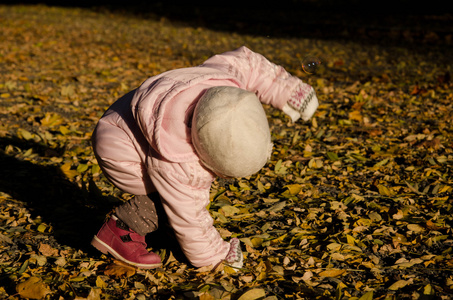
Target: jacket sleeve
<point>270,82</point>
<point>184,190</point>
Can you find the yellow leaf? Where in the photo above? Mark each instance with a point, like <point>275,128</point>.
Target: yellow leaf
<point>66,169</point>
<point>95,170</point>
<point>42,227</point>
<point>415,228</point>
<point>26,135</point>
<point>280,169</point>
<point>332,273</point>
<point>100,283</point>
<point>356,115</point>
<point>428,290</point>
<point>82,168</point>
<point>279,239</point>
<point>334,247</point>
<point>375,216</point>
<point>77,279</point>
<point>64,130</point>
<point>408,264</point>
<point>320,82</point>
<point>119,269</point>
<point>384,191</point>
<point>337,256</point>
<point>367,296</point>
<point>229,270</point>
<point>315,163</point>
<point>261,276</point>
<point>257,242</point>
<point>68,91</point>
<point>293,189</point>
<point>277,207</point>
<point>228,210</point>
<point>51,119</point>
<point>398,285</point>
<point>206,296</point>
<point>95,294</point>
<point>247,242</point>
<point>444,189</point>
<point>350,239</point>
<point>253,294</point>
<point>33,288</point>
<point>399,215</point>
<point>260,186</point>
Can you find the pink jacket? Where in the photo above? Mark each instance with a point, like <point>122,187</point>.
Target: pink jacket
<point>143,142</point>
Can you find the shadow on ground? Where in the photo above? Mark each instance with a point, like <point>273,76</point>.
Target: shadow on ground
<point>74,213</point>
<point>390,22</point>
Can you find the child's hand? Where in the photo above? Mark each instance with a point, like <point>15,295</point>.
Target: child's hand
<point>234,258</point>
<point>303,103</point>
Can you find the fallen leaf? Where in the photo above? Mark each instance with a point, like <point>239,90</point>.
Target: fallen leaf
<point>5,239</point>
<point>398,285</point>
<point>119,269</point>
<point>253,294</point>
<point>417,90</point>
<point>229,210</point>
<point>367,296</point>
<point>47,250</point>
<point>32,288</point>
<point>356,116</point>
<point>307,276</point>
<point>433,226</point>
<point>415,228</point>
<point>206,296</point>
<point>332,273</point>
<point>277,207</point>
<point>66,169</point>
<point>51,119</point>
<point>293,189</point>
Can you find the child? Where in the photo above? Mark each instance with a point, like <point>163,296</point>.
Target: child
<point>174,134</point>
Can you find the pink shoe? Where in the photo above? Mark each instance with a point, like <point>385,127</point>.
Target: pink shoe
<point>124,244</point>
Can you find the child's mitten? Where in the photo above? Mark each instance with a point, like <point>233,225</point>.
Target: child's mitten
<point>303,103</point>
<point>234,257</point>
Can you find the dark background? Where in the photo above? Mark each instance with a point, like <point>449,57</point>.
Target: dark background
<point>393,22</point>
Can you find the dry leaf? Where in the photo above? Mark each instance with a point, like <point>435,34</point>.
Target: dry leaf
<point>253,294</point>
<point>415,227</point>
<point>95,294</point>
<point>5,239</point>
<point>47,250</point>
<point>433,226</point>
<point>33,288</point>
<point>293,189</point>
<point>332,273</point>
<point>100,283</point>
<point>51,119</point>
<point>119,269</point>
<point>356,116</point>
<point>206,296</point>
<point>66,169</point>
<point>398,285</point>
<point>367,296</point>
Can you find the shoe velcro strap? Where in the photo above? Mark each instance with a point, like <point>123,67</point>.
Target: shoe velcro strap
<point>126,238</point>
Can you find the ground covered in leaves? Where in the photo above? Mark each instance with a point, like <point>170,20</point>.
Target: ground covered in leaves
<point>355,204</point>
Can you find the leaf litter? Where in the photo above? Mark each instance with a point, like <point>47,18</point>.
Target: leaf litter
<point>355,204</point>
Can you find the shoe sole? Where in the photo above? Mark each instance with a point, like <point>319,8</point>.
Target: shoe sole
<point>104,248</point>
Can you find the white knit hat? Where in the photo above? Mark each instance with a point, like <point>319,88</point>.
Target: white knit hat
<point>230,132</point>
